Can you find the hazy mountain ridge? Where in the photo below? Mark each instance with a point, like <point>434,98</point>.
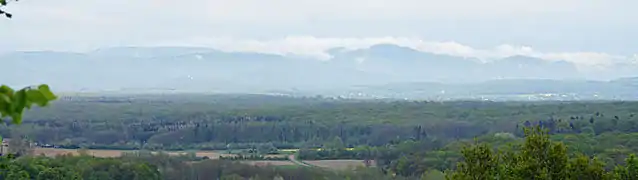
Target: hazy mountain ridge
<point>208,70</point>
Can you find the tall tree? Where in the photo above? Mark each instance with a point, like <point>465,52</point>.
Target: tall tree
<point>538,159</point>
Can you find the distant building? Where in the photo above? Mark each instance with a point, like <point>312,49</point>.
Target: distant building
<point>5,146</point>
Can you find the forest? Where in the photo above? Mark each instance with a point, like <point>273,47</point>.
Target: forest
<point>396,139</point>
<point>174,122</point>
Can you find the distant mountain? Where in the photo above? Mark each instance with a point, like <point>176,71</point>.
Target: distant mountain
<point>404,64</point>
<point>197,69</point>
<point>524,67</point>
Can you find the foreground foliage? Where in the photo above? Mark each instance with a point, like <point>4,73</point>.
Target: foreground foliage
<point>75,168</point>
<point>148,166</point>
<point>537,158</point>
<point>13,103</point>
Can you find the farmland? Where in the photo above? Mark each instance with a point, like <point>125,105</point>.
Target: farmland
<point>331,164</point>
<point>117,153</point>
<point>336,164</point>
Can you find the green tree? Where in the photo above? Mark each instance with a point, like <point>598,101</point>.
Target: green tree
<point>232,177</point>
<point>583,168</point>
<point>20,146</point>
<point>49,174</point>
<point>538,158</point>
<point>335,144</point>
<point>18,175</point>
<point>479,163</point>
<point>629,171</point>
<point>433,175</point>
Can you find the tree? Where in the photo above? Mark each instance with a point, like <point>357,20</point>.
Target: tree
<point>629,171</point>
<point>538,158</point>
<point>433,175</point>
<point>479,163</point>
<point>232,177</point>
<point>20,146</point>
<point>267,148</point>
<point>584,168</point>
<point>335,144</point>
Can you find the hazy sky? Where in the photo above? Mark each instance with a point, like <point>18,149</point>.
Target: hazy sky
<point>579,30</point>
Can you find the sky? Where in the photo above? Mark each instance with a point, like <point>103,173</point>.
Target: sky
<point>591,32</point>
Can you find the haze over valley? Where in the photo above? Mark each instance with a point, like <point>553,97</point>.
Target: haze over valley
<point>319,89</point>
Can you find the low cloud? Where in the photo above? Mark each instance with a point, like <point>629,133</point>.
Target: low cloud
<point>317,47</point>
<point>80,25</point>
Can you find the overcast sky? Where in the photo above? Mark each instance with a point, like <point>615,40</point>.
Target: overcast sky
<point>583,30</point>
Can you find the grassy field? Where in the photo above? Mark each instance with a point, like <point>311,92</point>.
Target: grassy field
<point>116,153</point>
<point>337,164</point>
<point>329,164</point>
<point>270,163</point>
<point>290,151</point>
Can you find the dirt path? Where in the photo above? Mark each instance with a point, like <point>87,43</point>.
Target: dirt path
<point>297,162</point>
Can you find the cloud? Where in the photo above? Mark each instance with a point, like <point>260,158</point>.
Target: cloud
<point>485,29</point>
<point>317,47</point>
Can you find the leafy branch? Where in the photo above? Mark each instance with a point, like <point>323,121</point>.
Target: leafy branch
<point>13,103</point>
<point>5,13</point>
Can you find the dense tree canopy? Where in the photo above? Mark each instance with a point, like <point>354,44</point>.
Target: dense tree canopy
<point>401,138</point>
<point>537,158</point>
<point>213,122</point>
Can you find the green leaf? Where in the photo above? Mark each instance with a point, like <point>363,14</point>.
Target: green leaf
<point>19,101</point>
<point>18,104</point>
<point>5,105</point>
<point>16,118</point>
<point>13,104</point>
<point>3,109</point>
<point>44,89</point>
<point>36,96</point>
<point>6,90</point>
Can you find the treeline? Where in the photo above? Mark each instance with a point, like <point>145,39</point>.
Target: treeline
<point>185,168</point>
<point>75,168</point>
<point>147,166</point>
<point>413,158</point>
<point>219,122</point>
<point>535,157</point>
<point>504,156</point>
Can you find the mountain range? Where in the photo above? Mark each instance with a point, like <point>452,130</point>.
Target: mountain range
<point>196,69</point>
